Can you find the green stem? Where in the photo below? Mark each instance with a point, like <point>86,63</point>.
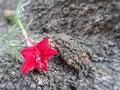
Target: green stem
<point>22,28</point>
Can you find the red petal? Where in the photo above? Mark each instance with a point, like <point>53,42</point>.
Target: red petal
<point>42,45</point>
<point>42,64</point>
<point>28,64</point>
<point>49,52</point>
<point>28,51</point>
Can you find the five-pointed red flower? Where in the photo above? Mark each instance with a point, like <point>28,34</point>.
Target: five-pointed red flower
<point>36,56</point>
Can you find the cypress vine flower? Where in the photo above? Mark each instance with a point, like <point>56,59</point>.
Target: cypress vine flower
<point>36,55</point>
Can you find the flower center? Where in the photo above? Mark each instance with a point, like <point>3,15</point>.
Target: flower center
<point>37,55</point>
<point>38,59</point>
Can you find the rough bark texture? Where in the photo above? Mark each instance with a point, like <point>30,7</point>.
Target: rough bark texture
<point>73,52</point>
<point>92,25</point>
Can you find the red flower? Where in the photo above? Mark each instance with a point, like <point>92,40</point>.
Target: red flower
<point>36,56</point>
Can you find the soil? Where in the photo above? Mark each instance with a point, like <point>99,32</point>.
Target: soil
<point>92,23</point>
